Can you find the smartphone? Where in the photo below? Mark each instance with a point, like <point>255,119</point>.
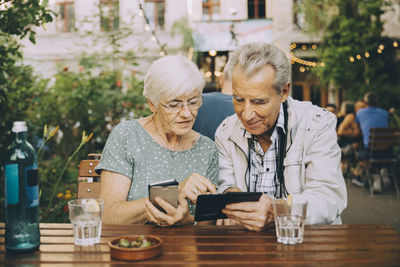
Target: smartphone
<point>167,190</point>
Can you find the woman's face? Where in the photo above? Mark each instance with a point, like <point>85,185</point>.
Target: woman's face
<point>175,118</point>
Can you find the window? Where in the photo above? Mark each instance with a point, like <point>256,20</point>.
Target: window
<point>65,21</point>
<point>155,12</point>
<point>210,9</point>
<point>109,15</point>
<point>255,9</point>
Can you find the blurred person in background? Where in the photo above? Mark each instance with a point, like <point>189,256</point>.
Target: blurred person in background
<point>331,108</point>
<point>216,107</point>
<point>360,104</point>
<point>369,117</point>
<point>348,135</point>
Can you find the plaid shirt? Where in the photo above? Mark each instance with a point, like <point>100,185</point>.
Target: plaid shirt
<point>263,165</point>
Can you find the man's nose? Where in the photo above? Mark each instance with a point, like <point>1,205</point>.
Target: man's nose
<point>248,111</point>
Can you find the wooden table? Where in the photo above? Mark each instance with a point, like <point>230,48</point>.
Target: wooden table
<point>339,245</point>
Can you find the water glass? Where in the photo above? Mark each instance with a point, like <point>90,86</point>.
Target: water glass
<point>86,217</point>
<point>289,220</point>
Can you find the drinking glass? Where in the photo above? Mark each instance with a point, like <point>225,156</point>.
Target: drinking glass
<point>86,217</point>
<point>289,220</point>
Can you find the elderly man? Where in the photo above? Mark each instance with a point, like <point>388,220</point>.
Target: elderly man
<point>276,145</point>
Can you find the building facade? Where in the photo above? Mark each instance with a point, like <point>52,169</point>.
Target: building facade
<point>217,27</point>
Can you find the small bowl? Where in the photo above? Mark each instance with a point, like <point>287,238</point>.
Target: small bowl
<point>135,254</point>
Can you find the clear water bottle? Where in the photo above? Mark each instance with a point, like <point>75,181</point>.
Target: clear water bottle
<point>21,194</point>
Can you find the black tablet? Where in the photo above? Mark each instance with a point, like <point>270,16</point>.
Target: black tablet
<point>208,207</point>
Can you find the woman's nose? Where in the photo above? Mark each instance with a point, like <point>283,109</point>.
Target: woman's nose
<point>185,111</point>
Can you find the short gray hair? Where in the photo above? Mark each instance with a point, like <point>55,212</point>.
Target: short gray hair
<point>172,76</point>
<point>252,57</point>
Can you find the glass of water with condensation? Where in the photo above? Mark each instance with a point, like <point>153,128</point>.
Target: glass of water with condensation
<point>86,216</point>
<point>289,220</point>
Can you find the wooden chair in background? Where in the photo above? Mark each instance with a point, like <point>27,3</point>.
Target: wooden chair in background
<point>383,140</point>
<point>89,180</point>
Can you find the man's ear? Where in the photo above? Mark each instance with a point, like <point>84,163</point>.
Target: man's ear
<point>221,81</point>
<point>285,92</point>
<point>152,106</point>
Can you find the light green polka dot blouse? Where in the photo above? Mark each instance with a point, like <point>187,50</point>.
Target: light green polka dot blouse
<point>132,152</point>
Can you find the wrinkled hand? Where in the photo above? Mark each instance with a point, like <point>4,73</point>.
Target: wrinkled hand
<point>254,216</point>
<point>171,216</point>
<point>228,221</point>
<point>195,185</point>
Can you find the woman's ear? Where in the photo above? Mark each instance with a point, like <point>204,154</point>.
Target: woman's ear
<point>152,106</point>
<point>285,92</point>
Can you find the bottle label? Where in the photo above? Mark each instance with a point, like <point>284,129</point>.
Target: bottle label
<point>12,184</point>
<point>32,186</point>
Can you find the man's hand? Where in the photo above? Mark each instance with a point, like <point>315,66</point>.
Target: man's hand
<point>254,216</point>
<point>195,185</point>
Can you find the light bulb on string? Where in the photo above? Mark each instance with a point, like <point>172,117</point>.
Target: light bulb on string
<point>358,57</point>
<point>379,51</point>
<point>351,59</point>
<point>395,44</point>
<point>381,47</point>
<point>366,54</point>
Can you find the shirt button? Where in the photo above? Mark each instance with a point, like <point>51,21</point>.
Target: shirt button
<point>267,169</point>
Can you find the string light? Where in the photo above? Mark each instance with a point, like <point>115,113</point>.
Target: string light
<point>295,59</point>
<point>147,28</point>
<point>212,53</point>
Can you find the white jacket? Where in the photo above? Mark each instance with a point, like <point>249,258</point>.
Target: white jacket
<point>312,163</point>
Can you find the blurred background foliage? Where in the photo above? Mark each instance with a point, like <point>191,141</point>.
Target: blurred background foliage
<point>342,25</point>
<point>93,98</point>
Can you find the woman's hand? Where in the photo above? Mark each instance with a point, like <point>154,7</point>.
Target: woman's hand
<point>254,216</point>
<point>195,185</point>
<point>171,216</point>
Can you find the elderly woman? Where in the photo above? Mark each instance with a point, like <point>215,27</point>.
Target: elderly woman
<point>159,147</point>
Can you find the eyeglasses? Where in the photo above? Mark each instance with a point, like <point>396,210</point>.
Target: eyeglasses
<point>175,106</point>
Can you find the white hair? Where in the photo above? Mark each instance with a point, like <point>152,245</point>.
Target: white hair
<point>252,57</point>
<point>171,77</point>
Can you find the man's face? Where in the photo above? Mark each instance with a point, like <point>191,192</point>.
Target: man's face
<point>256,102</point>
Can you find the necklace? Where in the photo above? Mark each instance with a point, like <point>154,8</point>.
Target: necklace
<point>173,152</point>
